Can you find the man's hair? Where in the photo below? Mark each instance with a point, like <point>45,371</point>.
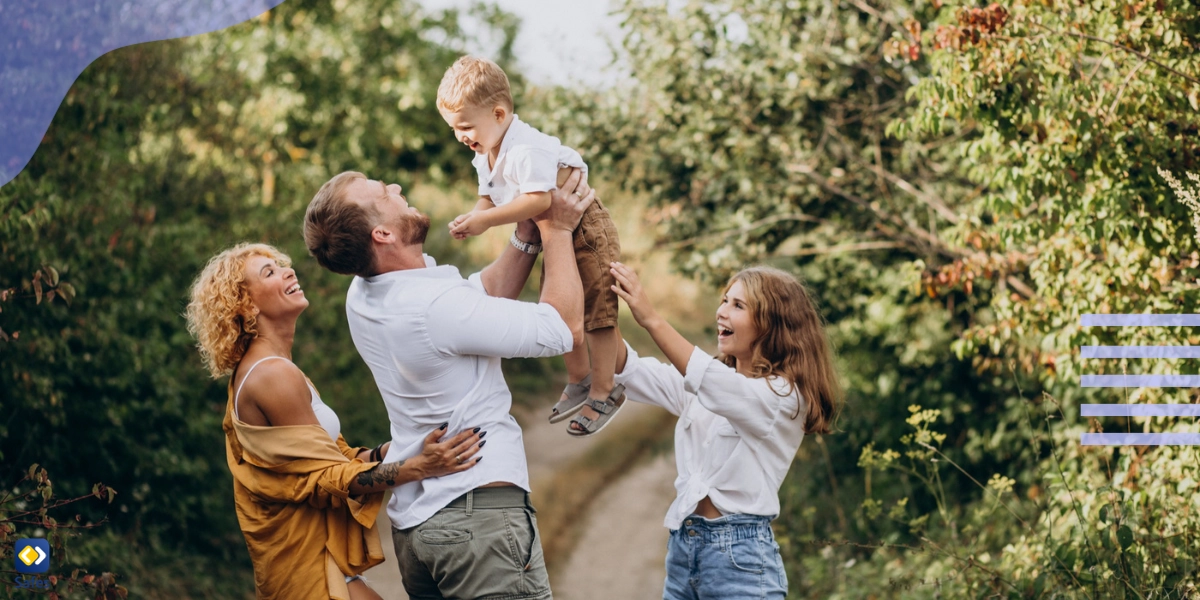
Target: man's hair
<point>474,82</point>
<point>337,231</point>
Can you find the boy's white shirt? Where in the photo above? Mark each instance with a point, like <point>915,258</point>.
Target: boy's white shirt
<point>528,161</point>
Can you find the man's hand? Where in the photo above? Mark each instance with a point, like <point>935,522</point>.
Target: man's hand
<point>467,225</point>
<point>567,204</point>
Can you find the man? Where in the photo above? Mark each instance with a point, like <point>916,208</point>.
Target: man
<point>434,341</point>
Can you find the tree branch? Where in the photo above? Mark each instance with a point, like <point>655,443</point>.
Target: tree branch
<point>1021,288</point>
<point>932,200</point>
<point>1142,55</point>
<point>839,248</point>
<point>747,228</point>
<point>916,232</point>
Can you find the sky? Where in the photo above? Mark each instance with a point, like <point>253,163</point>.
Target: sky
<point>560,43</point>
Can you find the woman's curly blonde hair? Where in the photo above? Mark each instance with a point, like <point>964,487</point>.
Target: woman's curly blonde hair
<point>220,314</point>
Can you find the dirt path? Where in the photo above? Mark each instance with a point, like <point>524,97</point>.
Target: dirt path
<point>624,543</point>
<point>622,534</point>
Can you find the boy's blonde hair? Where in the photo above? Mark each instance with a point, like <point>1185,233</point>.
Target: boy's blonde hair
<point>474,82</point>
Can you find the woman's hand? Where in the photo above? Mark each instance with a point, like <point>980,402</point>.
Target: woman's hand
<point>629,288</point>
<point>437,458</point>
<point>453,455</point>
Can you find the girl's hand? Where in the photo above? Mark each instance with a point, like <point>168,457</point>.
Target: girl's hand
<point>453,455</point>
<point>629,288</point>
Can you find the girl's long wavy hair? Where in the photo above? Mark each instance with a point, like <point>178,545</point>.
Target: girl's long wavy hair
<point>792,343</point>
<point>220,314</point>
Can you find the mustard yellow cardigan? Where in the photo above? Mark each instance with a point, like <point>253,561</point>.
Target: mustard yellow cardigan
<point>304,531</point>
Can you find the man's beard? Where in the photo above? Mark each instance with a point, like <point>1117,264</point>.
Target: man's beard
<point>414,228</point>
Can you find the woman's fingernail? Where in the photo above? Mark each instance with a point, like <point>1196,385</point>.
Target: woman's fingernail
<point>479,459</point>
<point>482,443</point>
<point>481,434</point>
<point>476,430</point>
<point>444,425</point>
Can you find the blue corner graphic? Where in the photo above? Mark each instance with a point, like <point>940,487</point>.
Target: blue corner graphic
<point>46,44</point>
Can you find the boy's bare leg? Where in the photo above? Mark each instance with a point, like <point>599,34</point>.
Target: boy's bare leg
<point>603,344</point>
<point>577,362</point>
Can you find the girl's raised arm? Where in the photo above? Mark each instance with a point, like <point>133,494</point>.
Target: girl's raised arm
<point>671,342</point>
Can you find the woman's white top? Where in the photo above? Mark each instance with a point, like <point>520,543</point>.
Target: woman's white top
<point>325,415</point>
<point>735,438</point>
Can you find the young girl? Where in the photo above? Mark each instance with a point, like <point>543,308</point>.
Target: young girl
<point>742,416</point>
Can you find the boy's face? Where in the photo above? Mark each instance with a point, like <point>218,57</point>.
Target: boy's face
<point>481,129</point>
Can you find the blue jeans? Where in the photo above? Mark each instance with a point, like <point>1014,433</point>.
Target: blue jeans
<point>734,557</point>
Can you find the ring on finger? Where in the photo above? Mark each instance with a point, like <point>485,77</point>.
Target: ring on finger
<point>459,458</point>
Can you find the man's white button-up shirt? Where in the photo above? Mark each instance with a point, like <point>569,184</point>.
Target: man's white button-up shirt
<point>434,341</point>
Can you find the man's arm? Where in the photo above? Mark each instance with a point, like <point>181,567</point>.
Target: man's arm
<point>562,289</point>
<point>505,277</point>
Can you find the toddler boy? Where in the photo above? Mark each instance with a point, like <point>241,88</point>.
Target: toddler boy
<point>518,166</point>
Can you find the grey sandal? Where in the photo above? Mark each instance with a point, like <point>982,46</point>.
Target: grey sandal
<point>607,408</point>
<point>576,395</point>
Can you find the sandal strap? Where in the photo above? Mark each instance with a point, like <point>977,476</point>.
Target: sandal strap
<point>584,385</point>
<point>605,406</point>
<point>608,404</point>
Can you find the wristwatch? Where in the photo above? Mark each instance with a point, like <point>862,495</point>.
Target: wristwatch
<point>525,247</point>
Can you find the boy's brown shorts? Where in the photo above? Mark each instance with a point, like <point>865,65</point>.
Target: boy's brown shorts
<point>596,244</point>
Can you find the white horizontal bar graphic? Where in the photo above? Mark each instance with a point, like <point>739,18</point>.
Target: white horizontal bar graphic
<point>1140,352</point>
<point>1140,410</point>
<point>1190,320</point>
<point>1141,439</point>
<point>1151,381</point>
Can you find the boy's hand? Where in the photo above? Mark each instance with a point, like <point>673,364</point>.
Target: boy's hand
<point>469,224</point>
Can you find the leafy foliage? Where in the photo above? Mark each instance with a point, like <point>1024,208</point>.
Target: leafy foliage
<point>959,183</point>
<point>161,155</point>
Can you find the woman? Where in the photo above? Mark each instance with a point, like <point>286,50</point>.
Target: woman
<point>742,416</point>
<point>305,500</point>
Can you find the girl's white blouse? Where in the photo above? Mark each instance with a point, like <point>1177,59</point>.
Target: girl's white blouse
<point>735,438</point>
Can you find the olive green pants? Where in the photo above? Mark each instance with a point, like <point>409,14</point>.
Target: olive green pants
<point>483,545</point>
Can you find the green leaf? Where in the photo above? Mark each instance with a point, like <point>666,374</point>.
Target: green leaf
<point>1125,537</point>
<point>67,292</point>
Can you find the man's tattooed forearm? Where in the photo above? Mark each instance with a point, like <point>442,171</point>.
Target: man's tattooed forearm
<point>386,473</point>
